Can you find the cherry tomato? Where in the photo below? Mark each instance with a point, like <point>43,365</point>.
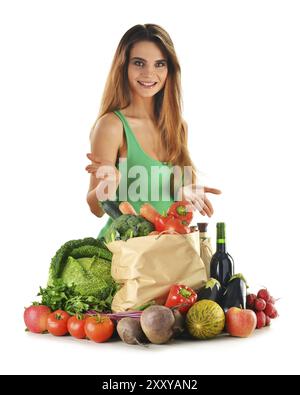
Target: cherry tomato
<point>57,323</point>
<point>99,328</point>
<point>175,225</point>
<point>76,326</point>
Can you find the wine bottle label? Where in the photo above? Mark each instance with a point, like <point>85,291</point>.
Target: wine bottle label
<point>221,241</point>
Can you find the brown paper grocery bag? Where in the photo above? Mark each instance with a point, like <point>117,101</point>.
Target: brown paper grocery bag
<point>146,267</point>
<point>206,252</point>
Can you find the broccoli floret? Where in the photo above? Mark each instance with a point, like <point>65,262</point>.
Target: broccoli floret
<point>127,226</point>
<point>145,229</point>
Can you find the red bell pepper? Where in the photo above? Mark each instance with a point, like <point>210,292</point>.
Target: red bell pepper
<point>181,294</point>
<point>160,223</point>
<point>182,211</point>
<point>175,225</point>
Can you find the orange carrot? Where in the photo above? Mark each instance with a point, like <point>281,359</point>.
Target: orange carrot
<point>127,208</point>
<point>148,212</point>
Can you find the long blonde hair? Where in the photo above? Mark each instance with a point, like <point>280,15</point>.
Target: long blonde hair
<point>167,102</point>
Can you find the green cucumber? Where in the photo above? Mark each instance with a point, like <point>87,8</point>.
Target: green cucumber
<point>111,208</point>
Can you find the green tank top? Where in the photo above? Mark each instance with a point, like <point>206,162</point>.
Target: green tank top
<point>136,156</point>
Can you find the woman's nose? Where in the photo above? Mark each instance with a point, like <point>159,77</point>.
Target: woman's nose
<point>148,71</point>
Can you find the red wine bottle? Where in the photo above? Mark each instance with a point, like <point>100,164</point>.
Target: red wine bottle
<point>222,264</point>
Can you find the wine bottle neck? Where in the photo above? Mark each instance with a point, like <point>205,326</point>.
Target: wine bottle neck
<point>221,238</point>
<point>221,246</point>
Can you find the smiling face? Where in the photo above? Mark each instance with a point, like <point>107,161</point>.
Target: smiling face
<point>147,69</point>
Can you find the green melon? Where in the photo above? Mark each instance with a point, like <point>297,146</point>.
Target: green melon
<point>205,319</point>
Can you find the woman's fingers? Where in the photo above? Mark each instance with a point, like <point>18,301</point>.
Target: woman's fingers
<point>212,190</point>
<point>98,160</point>
<point>91,167</point>
<point>202,207</point>
<point>93,158</point>
<point>209,205</point>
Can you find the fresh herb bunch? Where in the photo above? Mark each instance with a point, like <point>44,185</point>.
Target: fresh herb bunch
<point>60,296</point>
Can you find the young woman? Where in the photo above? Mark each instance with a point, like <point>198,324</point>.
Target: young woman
<point>140,122</point>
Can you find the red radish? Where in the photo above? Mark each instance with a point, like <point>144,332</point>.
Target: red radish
<point>251,298</point>
<point>127,208</point>
<point>274,314</point>
<point>261,320</point>
<point>271,311</point>
<point>268,321</point>
<point>264,294</point>
<point>148,212</point>
<point>260,304</point>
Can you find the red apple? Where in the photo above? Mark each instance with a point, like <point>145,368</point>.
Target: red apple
<point>240,323</point>
<point>35,318</point>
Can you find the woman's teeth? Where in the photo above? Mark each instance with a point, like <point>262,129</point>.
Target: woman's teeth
<point>147,84</point>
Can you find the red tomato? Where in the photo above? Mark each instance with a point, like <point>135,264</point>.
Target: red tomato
<point>99,328</point>
<point>76,326</point>
<point>160,223</point>
<point>35,318</point>
<point>175,225</point>
<point>57,323</point>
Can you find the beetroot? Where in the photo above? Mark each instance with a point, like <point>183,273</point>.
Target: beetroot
<point>261,320</point>
<point>251,298</point>
<point>260,304</point>
<point>264,294</point>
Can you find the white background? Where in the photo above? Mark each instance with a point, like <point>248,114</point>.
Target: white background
<point>241,82</point>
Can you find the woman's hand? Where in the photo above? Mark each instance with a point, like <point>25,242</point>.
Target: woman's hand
<point>198,199</point>
<point>104,170</point>
<point>97,163</point>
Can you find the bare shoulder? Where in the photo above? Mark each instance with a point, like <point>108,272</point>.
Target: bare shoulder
<point>107,126</point>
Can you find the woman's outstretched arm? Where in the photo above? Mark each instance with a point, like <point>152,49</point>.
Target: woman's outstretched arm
<point>106,139</point>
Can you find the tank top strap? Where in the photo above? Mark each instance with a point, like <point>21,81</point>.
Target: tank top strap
<point>132,144</point>
<point>134,149</point>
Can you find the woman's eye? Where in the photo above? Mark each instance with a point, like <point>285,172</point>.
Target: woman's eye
<point>137,63</point>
